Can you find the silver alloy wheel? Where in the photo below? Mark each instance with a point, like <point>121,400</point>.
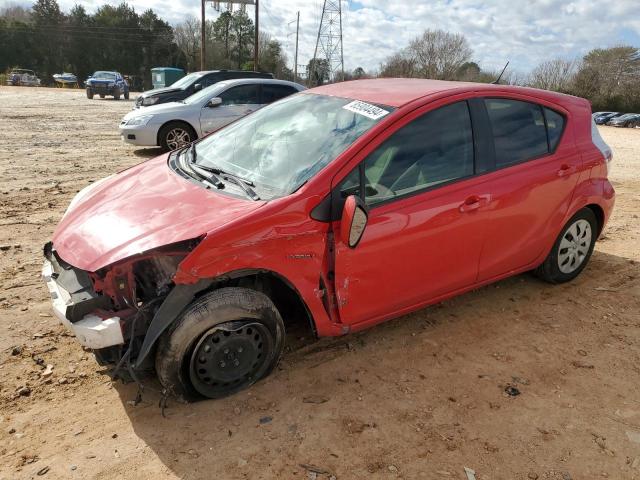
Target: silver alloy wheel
<point>178,138</point>
<point>574,246</point>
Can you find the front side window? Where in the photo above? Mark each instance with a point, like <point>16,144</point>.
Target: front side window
<point>283,145</point>
<point>187,81</point>
<point>518,130</point>
<point>433,149</point>
<point>240,95</point>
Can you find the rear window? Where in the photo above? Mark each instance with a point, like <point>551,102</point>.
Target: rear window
<point>518,130</point>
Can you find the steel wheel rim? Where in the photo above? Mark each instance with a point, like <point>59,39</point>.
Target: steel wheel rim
<point>574,246</point>
<point>229,357</point>
<point>178,138</point>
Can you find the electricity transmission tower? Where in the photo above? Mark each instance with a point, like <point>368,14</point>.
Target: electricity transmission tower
<point>329,43</point>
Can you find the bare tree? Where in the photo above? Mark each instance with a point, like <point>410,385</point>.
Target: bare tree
<point>557,75</point>
<point>187,38</point>
<point>434,54</point>
<point>398,65</point>
<point>439,54</point>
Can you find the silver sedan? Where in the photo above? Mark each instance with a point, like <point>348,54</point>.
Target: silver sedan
<point>176,124</point>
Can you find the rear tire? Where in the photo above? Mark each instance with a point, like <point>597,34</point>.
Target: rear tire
<point>224,342</point>
<point>89,94</point>
<point>175,135</point>
<point>572,249</point>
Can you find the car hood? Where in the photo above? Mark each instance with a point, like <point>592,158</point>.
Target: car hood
<point>157,109</point>
<point>159,91</point>
<point>142,208</point>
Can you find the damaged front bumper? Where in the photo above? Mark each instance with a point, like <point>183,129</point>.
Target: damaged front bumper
<point>68,298</point>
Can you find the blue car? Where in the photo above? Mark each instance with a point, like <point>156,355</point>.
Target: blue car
<point>107,83</point>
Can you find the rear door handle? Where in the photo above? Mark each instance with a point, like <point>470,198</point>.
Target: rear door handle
<point>474,202</point>
<point>565,170</point>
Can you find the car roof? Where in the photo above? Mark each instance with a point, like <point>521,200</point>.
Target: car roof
<point>396,92</point>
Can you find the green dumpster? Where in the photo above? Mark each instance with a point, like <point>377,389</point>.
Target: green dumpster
<point>165,76</point>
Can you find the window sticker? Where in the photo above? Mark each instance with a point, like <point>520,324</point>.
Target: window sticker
<point>366,109</point>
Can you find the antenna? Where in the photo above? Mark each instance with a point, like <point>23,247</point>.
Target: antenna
<point>497,80</point>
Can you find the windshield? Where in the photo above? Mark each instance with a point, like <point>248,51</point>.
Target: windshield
<point>283,145</point>
<point>186,81</point>
<point>105,75</point>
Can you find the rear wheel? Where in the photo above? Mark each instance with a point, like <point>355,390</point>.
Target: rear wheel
<point>572,249</point>
<point>175,135</point>
<point>89,94</point>
<point>224,342</point>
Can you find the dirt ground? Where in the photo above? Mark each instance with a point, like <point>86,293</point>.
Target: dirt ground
<point>422,396</point>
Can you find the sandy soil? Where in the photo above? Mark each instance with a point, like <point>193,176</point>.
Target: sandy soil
<point>422,396</point>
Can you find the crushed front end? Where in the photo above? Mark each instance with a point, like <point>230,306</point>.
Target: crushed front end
<point>110,310</point>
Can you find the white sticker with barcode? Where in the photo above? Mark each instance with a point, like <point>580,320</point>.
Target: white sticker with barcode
<point>366,109</point>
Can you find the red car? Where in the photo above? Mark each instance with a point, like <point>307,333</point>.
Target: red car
<point>338,207</point>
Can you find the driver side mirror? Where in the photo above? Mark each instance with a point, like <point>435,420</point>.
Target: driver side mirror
<point>214,102</point>
<point>197,87</point>
<point>353,222</point>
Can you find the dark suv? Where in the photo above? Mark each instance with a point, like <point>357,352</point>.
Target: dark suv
<point>187,86</point>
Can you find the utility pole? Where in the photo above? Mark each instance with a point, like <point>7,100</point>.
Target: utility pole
<point>295,62</point>
<point>203,65</point>
<point>256,40</point>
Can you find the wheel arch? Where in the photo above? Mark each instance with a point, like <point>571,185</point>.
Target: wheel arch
<point>283,293</point>
<point>280,291</point>
<point>175,121</point>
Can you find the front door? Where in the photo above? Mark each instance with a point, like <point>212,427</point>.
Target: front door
<point>426,221</point>
<point>237,102</point>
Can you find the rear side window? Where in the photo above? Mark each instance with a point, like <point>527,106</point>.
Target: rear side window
<point>271,93</point>
<point>518,130</point>
<point>555,126</point>
<point>240,95</point>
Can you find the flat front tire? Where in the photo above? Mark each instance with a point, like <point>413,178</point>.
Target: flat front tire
<point>572,249</point>
<point>223,342</point>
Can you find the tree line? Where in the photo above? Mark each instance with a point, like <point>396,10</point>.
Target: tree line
<point>608,77</point>
<point>46,39</point>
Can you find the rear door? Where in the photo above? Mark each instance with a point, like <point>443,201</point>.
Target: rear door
<point>237,102</point>
<point>426,220</point>
<point>534,175</point>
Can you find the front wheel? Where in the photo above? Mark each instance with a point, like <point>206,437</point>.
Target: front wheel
<point>224,342</point>
<point>89,94</point>
<point>572,249</point>
<point>175,135</point>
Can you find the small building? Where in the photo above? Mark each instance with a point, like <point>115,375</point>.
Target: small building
<point>165,76</point>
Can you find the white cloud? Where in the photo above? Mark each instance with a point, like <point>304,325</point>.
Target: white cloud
<point>498,30</point>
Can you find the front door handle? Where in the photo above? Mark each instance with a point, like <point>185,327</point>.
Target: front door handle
<point>474,202</point>
<point>565,170</point>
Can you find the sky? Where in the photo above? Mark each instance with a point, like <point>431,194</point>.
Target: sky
<point>525,32</point>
